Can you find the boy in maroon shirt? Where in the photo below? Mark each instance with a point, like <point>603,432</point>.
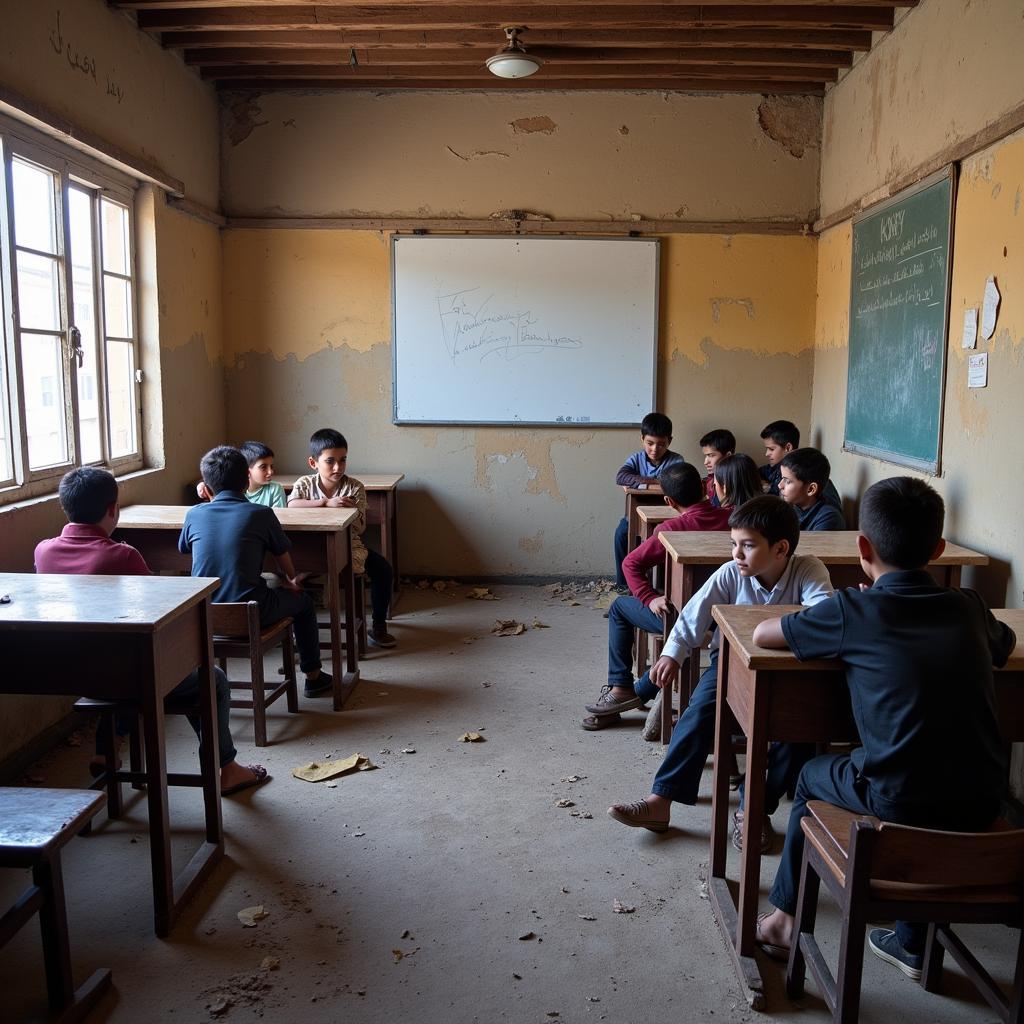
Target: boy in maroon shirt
<point>89,499</point>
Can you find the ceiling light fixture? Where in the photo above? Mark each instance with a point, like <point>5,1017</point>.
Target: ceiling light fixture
<point>513,61</point>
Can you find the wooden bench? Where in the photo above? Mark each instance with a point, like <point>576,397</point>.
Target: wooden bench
<point>35,825</point>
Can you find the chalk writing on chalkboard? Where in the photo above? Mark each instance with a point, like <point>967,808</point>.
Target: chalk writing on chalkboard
<point>474,324</point>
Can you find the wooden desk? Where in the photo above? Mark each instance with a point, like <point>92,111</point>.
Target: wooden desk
<point>321,543</point>
<point>381,510</point>
<point>137,638</point>
<point>635,498</point>
<point>772,696</point>
<point>651,516</point>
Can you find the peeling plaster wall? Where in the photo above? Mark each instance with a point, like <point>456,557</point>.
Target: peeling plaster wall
<point>566,155</point>
<point>949,68</point>
<point>308,345</point>
<point>168,116</point>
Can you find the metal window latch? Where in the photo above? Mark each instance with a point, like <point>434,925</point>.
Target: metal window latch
<point>75,340</point>
<point>138,376</point>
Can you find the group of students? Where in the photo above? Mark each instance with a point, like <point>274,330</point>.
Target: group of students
<point>229,536</point>
<point>918,657</point>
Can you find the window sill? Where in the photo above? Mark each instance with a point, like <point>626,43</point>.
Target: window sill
<point>51,496</point>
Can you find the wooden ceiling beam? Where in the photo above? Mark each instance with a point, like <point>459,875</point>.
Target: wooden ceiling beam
<point>647,16</point>
<point>551,55</point>
<point>551,73</point>
<point>585,6</point>
<point>533,85</point>
<point>485,39</point>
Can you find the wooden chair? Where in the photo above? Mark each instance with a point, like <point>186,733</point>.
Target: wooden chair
<point>360,615</point>
<point>35,825</point>
<point>237,634</point>
<point>877,871</point>
<point>111,777</point>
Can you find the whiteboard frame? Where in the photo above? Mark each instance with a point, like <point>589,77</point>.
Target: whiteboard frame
<point>927,466</point>
<point>655,340</point>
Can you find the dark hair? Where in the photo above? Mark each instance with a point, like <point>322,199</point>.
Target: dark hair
<point>681,482</point>
<point>903,518</point>
<point>655,424</point>
<point>720,439</point>
<point>769,516</point>
<point>224,469</point>
<point>782,432</point>
<point>325,438</point>
<point>809,466</point>
<point>254,451</point>
<point>739,477</point>
<point>86,493</point>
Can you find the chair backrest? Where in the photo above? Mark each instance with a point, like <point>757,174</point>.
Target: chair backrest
<point>927,857</point>
<point>241,619</point>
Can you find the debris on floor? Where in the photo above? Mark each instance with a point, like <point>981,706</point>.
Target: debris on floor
<point>249,916</point>
<point>471,737</point>
<point>621,908</point>
<point>240,990</point>
<point>527,936</point>
<point>574,778</point>
<point>316,772</point>
<point>537,624</point>
<point>565,803</point>
<point>482,594</point>
<point>406,750</point>
<point>508,627</point>
<point>580,814</point>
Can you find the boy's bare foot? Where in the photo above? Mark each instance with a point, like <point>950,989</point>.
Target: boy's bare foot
<point>775,934</point>
<point>235,777</point>
<point>652,813</point>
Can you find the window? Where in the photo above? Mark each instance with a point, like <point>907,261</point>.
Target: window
<point>69,381</point>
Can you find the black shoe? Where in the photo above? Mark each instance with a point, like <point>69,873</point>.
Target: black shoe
<point>320,686</point>
<point>886,946</point>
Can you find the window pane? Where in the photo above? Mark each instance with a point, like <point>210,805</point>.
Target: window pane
<point>115,237</point>
<point>80,206</point>
<point>121,398</point>
<point>35,218</point>
<point>6,455</point>
<point>38,293</point>
<point>117,304</point>
<point>45,423</point>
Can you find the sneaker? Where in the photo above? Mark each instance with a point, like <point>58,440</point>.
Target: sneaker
<point>767,833</point>
<point>380,637</point>
<point>637,815</point>
<point>886,946</point>
<point>609,704</point>
<point>323,684</point>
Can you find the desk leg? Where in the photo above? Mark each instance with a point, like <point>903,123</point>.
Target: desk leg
<point>390,527</point>
<point>156,791</point>
<point>341,579</point>
<point>753,814</point>
<point>209,755</point>
<point>723,748</point>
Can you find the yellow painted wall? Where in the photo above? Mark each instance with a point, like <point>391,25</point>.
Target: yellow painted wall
<point>307,334</point>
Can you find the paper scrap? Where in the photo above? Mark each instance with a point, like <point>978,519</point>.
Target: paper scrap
<point>537,624</point>
<point>977,370</point>
<point>507,627</point>
<point>621,908</point>
<point>604,601</point>
<point>574,778</point>
<point>481,594</point>
<point>315,772</point>
<point>270,963</point>
<point>408,750</point>
<point>565,803</point>
<point>970,335</point>
<point>250,915</point>
<point>990,309</point>
<point>471,737</point>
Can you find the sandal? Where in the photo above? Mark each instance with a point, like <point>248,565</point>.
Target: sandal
<point>259,776</point>
<point>594,722</point>
<point>780,953</point>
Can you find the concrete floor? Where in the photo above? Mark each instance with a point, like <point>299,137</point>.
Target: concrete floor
<point>450,854</point>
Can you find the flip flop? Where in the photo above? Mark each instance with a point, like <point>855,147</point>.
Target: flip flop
<point>259,776</point>
<point>780,953</point>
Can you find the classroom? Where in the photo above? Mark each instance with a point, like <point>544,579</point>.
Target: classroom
<point>261,225</point>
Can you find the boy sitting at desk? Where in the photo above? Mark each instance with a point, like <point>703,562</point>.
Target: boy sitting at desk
<point>918,661</point>
<point>804,476</point>
<point>330,487</point>
<point>645,610</point>
<point>715,445</point>
<point>642,471</point>
<point>764,570</point>
<point>89,498</point>
<point>261,489</point>
<point>229,537</point>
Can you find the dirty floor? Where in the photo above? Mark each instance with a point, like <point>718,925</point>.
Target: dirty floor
<point>448,885</point>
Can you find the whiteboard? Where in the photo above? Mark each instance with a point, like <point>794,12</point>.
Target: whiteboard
<point>530,331</point>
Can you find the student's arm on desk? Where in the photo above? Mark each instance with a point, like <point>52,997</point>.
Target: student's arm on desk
<point>769,634</point>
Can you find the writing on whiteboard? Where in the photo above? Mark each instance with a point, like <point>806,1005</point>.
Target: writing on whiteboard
<point>475,325</point>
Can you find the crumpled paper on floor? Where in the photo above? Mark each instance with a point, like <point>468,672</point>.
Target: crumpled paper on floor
<point>471,737</point>
<point>481,594</point>
<point>250,915</point>
<point>507,627</point>
<point>316,772</point>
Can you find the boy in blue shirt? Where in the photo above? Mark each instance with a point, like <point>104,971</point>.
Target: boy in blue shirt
<point>780,438</point>
<point>229,537</point>
<point>763,571</point>
<point>639,472</point>
<point>261,489</point>
<point>804,477</point>
<point>918,661</point>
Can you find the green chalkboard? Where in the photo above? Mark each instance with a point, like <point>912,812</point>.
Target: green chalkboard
<point>899,312</point>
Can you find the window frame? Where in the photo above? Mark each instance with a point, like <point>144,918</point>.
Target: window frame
<point>72,170</point>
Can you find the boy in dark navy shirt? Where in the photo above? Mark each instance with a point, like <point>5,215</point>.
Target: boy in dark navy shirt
<point>918,663</point>
<point>805,474</point>
<point>229,537</point>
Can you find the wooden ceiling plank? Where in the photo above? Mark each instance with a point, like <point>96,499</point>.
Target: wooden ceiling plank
<point>586,6</point>
<point>472,17</point>
<point>551,55</point>
<point>809,39</point>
